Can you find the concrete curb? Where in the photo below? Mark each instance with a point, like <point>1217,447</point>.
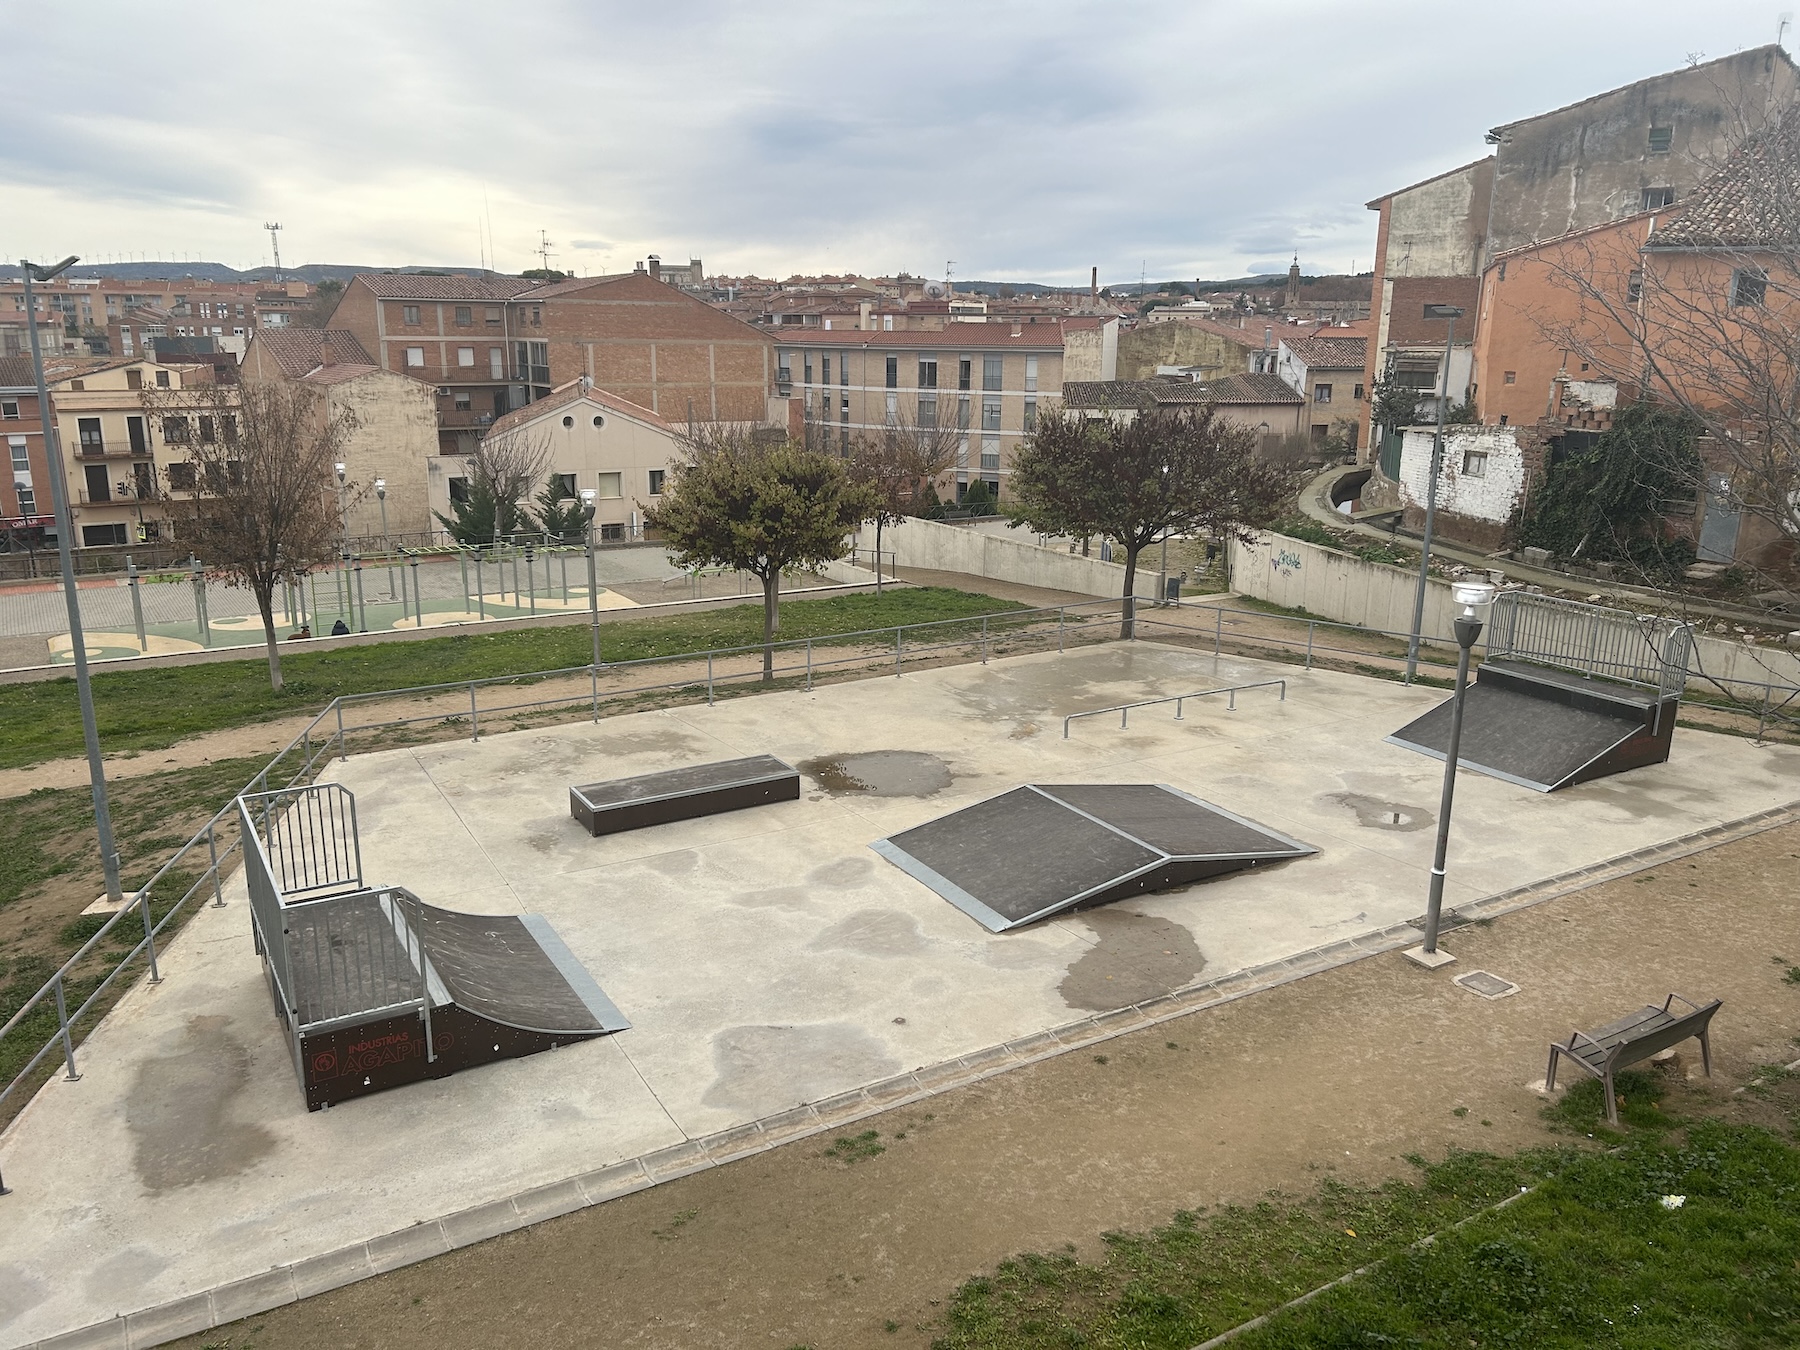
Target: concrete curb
<point>332,1270</point>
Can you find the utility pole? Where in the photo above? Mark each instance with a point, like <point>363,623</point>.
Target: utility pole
<point>1452,313</point>
<point>274,228</point>
<point>65,531</point>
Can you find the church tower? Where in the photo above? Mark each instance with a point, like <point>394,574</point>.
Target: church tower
<point>1293,287</point>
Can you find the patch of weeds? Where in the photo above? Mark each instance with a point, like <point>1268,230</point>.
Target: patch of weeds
<point>1099,1059</point>
<point>855,1148</point>
<point>1460,1112</point>
<point>1583,1107</point>
<point>1792,976</point>
<point>1170,1045</point>
<point>681,1220</point>
<point>890,1326</point>
<point>82,927</point>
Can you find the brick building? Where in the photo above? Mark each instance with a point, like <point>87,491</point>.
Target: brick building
<point>27,518</point>
<point>490,345</point>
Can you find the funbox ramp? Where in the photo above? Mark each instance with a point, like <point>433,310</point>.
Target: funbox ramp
<point>1547,729</point>
<point>390,990</point>
<point>1043,849</point>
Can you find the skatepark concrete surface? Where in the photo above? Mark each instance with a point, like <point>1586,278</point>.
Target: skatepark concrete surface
<point>780,977</point>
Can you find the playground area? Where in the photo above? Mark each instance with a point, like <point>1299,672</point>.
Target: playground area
<point>779,975</point>
<point>170,612</point>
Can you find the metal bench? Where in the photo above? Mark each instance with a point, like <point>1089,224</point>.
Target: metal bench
<point>1604,1050</point>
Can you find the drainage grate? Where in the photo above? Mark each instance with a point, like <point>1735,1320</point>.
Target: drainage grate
<point>1486,984</point>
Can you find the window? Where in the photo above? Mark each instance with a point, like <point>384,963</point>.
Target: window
<point>565,485</point>
<point>461,401</point>
<point>27,499</point>
<point>962,411</point>
<point>21,457</point>
<point>568,423</point>
<point>1031,374</point>
<point>784,372</point>
<point>990,453</point>
<point>206,430</point>
<point>806,368</point>
<point>1511,377</point>
<point>415,356</point>
<point>91,440</point>
<point>928,410</point>
<point>465,315</point>
<point>600,421</point>
<point>79,386</point>
<point>1655,198</point>
<point>963,368</point>
<point>100,536</point>
<point>1475,463</point>
<point>1634,288</point>
<point>610,485</point>
<point>824,370</point>
<point>134,378</point>
<point>496,364</point>
<point>990,412</point>
<point>175,430</point>
<point>492,316</point>
<point>990,372</point>
<point>1748,286</point>
<point>409,314</point>
<point>656,482</point>
<point>9,407</point>
<point>459,489</point>
<point>1503,419</point>
<point>181,477</point>
<point>162,379</point>
<point>1321,393</point>
<point>465,356</point>
<point>228,425</point>
<point>887,323</point>
<point>893,407</point>
<point>893,372</point>
<point>928,372</point>
<point>1661,139</point>
<point>1357,394</point>
<point>537,316</point>
<point>612,534</point>
<point>1030,415</point>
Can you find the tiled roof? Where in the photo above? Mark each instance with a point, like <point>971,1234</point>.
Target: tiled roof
<point>16,373</point>
<point>575,391</point>
<point>1254,387</point>
<point>1749,201</point>
<point>1329,353</point>
<point>340,371</point>
<point>1132,393</point>
<point>529,290</point>
<point>299,350</point>
<point>413,286</point>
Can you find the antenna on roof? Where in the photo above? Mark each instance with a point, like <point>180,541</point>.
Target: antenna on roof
<point>274,228</point>
<point>543,249</point>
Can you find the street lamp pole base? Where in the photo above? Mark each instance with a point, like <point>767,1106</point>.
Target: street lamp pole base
<point>1430,960</point>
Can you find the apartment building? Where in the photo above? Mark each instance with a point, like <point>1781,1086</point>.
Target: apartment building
<point>988,380</point>
<point>104,316</point>
<point>493,345</point>
<point>1327,373</point>
<point>26,512</point>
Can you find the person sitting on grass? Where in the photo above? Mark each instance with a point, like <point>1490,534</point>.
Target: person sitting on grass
<point>340,629</point>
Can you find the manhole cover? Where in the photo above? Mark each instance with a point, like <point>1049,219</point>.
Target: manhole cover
<point>1486,983</point>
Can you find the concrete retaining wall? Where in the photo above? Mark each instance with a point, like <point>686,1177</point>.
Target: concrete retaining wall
<point>983,551</point>
<point>1334,585</point>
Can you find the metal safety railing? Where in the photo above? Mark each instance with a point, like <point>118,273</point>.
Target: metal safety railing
<point>1125,709</point>
<point>310,837</point>
<point>1592,640</point>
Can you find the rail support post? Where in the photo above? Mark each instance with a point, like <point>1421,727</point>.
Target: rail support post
<point>149,934</point>
<point>342,753</point>
<point>709,679</point>
<point>68,1043</point>
<point>809,665</point>
<point>474,715</point>
<point>1218,627</point>
<point>212,847</point>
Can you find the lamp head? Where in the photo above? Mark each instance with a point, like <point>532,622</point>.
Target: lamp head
<point>1443,312</point>
<point>40,273</point>
<point>380,487</point>
<point>341,470</point>
<point>1472,595</point>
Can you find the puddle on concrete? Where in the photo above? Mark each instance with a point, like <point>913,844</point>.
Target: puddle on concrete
<point>179,1112</point>
<point>1376,814</point>
<point>872,932</point>
<point>772,897</point>
<point>762,1069</point>
<point>879,773</point>
<point>1137,957</point>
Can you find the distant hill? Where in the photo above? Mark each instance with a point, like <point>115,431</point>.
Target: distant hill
<point>209,271</point>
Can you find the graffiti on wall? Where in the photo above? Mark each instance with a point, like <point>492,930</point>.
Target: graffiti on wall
<point>1285,562</point>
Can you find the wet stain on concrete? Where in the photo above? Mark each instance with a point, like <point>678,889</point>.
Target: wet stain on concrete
<point>180,1111</point>
<point>20,1291</point>
<point>676,863</point>
<point>123,1279</point>
<point>879,773</point>
<point>1635,801</point>
<point>763,1069</point>
<point>872,932</point>
<point>1024,731</point>
<point>1375,814</point>
<point>1137,957</point>
<point>843,872</point>
<point>772,897</point>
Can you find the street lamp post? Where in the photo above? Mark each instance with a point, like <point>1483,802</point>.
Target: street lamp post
<point>1471,595</point>
<point>65,532</point>
<point>588,496</point>
<point>343,535</point>
<point>387,546</point>
<point>1452,313</point>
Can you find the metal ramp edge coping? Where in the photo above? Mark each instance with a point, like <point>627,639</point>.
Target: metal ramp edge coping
<point>580,981</point>
<point>158,1324</point>
<point>1627,731</point>
<point>996,922</point>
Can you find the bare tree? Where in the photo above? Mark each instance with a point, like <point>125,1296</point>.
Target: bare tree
<point>499,477</point>
<point>255,493</point>
<point>898,464</point>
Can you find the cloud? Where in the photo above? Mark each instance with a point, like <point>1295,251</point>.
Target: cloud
<point>1014,140</point>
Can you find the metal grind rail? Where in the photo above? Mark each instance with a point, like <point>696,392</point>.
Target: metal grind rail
<point>1124,709</point>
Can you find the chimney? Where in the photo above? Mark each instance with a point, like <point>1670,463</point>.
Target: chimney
<point>655,268</point>
<point>1094,284</point>
<point>639,268</point>
<point>862,314</point>
<point>1018,330</point>
<point>325,358</point>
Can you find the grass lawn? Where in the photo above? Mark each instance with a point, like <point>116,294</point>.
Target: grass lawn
<point>1591,1257</point>
<point>148,709</point>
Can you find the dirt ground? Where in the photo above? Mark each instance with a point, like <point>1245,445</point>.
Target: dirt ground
<point>1339,1074</point>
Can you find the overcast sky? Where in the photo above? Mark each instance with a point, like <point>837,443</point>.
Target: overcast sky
<point>1021,140</point>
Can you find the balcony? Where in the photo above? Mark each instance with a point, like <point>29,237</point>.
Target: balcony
<point>463,420</point>
<point>92,450</point>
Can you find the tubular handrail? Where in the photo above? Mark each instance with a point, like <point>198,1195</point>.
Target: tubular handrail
<point>1124,709</point>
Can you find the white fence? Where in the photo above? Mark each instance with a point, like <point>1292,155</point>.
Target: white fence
<point>984,552</point>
